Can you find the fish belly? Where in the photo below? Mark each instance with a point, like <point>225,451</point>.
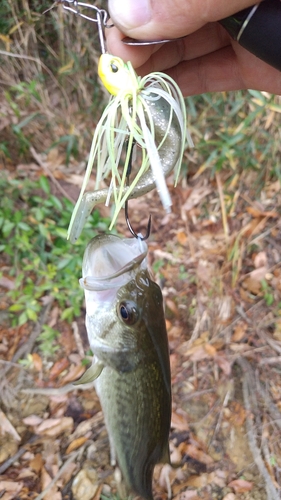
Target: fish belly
<point>137,412</point>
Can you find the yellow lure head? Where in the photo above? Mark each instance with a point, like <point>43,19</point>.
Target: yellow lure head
<point>116,75</point>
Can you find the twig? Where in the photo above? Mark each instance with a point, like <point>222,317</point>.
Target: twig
<point>224,405</point>
<point>48,172</point>
<point>272,493</point>
<point>270,406</point>
<point>71,459</point>
<point>272,343</point>
<point>271,361</point>
<point>223,211</point>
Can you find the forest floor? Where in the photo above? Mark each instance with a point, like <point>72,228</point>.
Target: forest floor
<point>221,280</point>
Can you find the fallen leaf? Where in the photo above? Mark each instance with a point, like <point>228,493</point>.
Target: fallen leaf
<point>239,331</point>
<point>211,350</point>
<point>74,373</point>
<point>240,485</point>
<point>8,447</point>
<point>7,428</point>
<point>223,363</point>
<point>260,260</point>
<point>7,283</point>
<point>179,422</point>
<point>58,368</point>
<point>36,463</point>
<point>10,489</point>
<point>52,493</point>
<point>182,238</point>
<point>229,496</point>
<point>37,361</point>
<point>256,212</point>
<point>53,427</point>
<point>192,451</point>
<point>85,484</point>
<point>76,444</point>
<point>187,495</point>
<point>32,420</point>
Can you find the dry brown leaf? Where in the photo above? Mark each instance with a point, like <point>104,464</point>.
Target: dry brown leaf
<point>74,373</point>
<point>200,481</point>
<point>85,484</point>
<point>239,331</point>
<point>192,451</point>
<point>252,284</point>
<point>187,495</point>
<point>26,472</point>
<point>179,422</point>
<point>8,447</point>
<point>260,260</point>
<point>11,489</point>
<point>58,368</point>
<point>211,350</point>
<point>182,238</point>
<point>86,426</point>
<point>7,283</point>
<point>37,361</point>
<point>7,428</point>
<point>238,413</point>
<point>199,353</point>
<point>53,427</point>
<point>52,493</point>
<point>240,485</point>
<point>76,444</point>
<point>32,420</point>
<point>223,363</point>
<point>256,212</point>
<point>229,496</point>
<point>36,463</point>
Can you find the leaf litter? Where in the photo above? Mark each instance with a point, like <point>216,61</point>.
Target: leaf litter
<point>221,282</point>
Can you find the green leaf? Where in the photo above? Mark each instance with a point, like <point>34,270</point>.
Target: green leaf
<point>44,184</point>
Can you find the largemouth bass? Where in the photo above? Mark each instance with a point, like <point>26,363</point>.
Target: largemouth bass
<point>127,334</point>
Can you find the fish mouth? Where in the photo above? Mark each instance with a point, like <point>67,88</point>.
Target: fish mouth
<point>110,262</point>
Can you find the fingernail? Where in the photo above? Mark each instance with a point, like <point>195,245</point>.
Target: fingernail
<point>130,13</point>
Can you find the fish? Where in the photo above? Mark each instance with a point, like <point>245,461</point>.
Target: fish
<point>127,334</point>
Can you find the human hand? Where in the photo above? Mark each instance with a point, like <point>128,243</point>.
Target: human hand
<point>206,59</point>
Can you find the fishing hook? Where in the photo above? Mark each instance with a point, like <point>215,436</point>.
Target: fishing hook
<point>132,231</point>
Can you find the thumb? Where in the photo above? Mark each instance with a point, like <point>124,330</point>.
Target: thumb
<point>154,19</point>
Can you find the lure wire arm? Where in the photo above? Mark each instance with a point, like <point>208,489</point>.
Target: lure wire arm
<point>100,18</point>
<point>132,231</point>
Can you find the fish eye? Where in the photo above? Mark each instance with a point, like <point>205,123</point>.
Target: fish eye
<point>128,312</point>
<point>114,68</point>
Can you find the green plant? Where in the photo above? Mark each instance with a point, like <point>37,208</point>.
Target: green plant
<point>39,259</point>
<point>267,292</point>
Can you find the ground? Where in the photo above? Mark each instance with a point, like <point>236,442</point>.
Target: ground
<point>221,282</point>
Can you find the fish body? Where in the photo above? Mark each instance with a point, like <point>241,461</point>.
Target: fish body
<point>127,334</point>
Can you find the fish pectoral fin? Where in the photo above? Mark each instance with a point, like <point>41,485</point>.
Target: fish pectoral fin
<point>91,374</point>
